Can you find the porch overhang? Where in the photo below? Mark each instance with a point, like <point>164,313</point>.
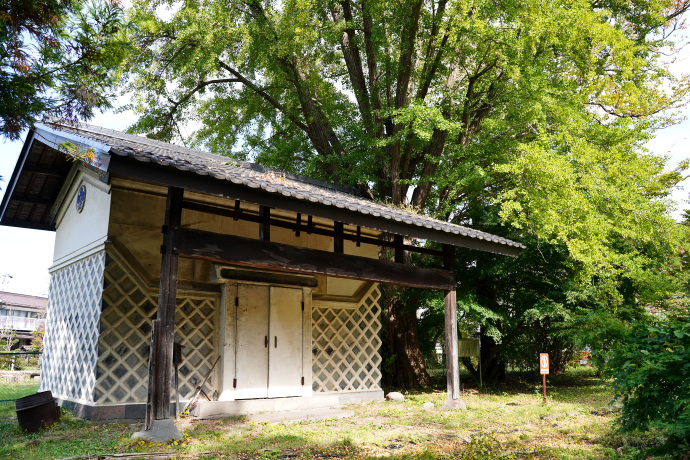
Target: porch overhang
<point>173,177</point>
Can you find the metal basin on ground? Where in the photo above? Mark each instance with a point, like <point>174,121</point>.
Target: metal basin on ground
<point>37,411</point>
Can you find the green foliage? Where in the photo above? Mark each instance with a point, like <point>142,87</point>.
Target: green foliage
<point>526,120</point>
<point>57,58</point>
<point>652,379</point>
<point>8,338</point>
<point>540,109</point>
<point>538,302</point>
<point>37,339</point>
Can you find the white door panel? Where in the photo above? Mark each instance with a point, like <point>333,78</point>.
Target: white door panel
<point>252,334</point>
<point>285,347</point>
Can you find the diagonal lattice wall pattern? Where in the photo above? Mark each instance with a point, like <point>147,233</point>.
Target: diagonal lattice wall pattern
<point>70,345</point>
<point>123,347</point>
<point>346,346</point>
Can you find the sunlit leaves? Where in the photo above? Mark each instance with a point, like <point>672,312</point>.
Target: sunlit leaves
<point>537,109</point>
<point>57,58</point>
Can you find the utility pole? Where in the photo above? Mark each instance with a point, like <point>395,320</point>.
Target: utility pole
<point>4,277</point>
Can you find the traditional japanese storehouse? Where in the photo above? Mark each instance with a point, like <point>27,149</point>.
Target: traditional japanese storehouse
<point>267,280</point>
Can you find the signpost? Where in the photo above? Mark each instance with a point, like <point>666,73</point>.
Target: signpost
<point>544,369</point>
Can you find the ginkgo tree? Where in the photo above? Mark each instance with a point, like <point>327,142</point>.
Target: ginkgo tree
<point>537,108</point>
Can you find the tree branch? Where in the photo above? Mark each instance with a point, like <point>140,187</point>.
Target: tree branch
<point>372,65</point>
<point>430,66</point>
<point>196,89</point>
<point>407,47</point>
<point>620,114</point>
<point>264,95</point>
<point>353,61</point>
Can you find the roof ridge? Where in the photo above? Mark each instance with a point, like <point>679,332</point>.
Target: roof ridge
<point>256,167</point>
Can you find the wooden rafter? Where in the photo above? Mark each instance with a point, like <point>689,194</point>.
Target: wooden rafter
<point>299,226</point>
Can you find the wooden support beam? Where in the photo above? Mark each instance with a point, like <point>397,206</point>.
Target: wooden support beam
<point>228,249</point>
<point>399,244</point>
<point>32,200</point>
<point>264,223</point>
<point>338,246</point>
<point>268,277</point>
<point>451,331</point>
<point>153,345</point>
<point>160,360</point>
<point>238,210</point>
<point>43,171</point>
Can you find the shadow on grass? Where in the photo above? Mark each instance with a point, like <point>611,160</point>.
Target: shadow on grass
<point>68,437</point>
<point>512,427</point>
<point>635,445</point>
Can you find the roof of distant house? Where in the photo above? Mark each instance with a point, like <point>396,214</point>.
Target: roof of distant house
<point>11,299</point>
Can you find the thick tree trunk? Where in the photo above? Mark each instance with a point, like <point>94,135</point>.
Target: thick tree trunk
<point>403,363</point>
<point>492,367</point>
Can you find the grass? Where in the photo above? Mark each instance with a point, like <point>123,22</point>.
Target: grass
<point>506,421</point>
<point>10,392</point>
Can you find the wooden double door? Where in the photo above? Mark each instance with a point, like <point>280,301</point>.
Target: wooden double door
<point>268,343</point>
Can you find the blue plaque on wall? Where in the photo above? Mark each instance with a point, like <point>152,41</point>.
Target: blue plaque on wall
<point>81,198</point>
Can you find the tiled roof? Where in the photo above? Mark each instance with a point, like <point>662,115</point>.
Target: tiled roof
<point>272,181</point>
<point>23,300</point>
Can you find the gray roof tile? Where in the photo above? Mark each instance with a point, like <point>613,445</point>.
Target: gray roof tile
<point>257,176</point>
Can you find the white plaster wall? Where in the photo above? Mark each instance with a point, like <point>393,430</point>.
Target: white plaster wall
<point>138,212</point>
<point>80,234</point>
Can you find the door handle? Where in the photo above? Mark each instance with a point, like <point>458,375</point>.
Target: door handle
<point>275,345</point>
<point>266,341</point>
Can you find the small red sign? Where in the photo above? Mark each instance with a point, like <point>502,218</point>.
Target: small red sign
<point>543,363</point>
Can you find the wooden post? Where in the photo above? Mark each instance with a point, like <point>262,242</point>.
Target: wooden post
<point>152,370</point>
<point>338,246</point>
<point>160,361</point>
<point>265,223</point>
<point>451,322</point>
<point>399,250</point>
<point>177,360</point>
